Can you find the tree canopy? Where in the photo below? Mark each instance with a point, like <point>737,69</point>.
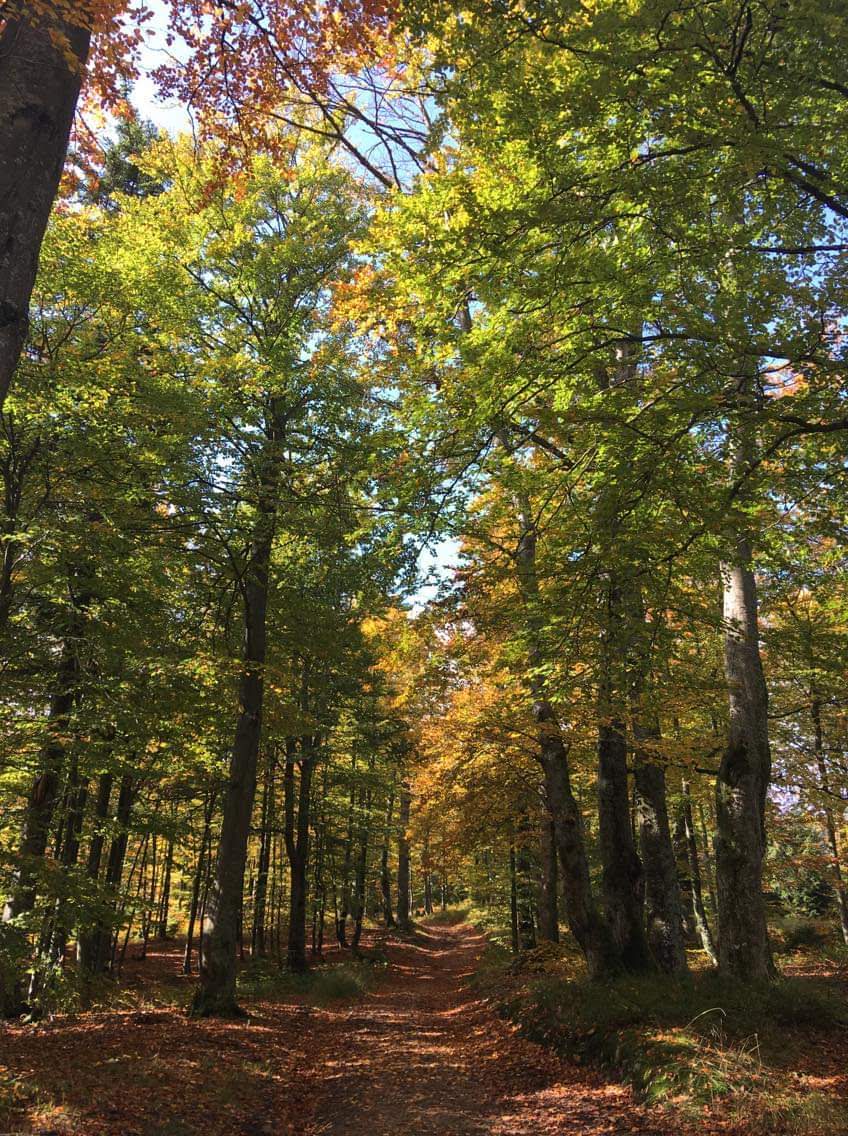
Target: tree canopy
<point>553,295</point>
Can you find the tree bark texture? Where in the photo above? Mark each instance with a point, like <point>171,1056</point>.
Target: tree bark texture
<point>39,89</point>
<point>742,783</point>
<point>216,994</point>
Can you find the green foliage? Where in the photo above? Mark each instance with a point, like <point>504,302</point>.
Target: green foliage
<point>448,917</point>
<point>489,974</point>
<point>343,981</point>
<point>800,933</point>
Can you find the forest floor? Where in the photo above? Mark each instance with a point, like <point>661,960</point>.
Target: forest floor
<point>419,1054</point>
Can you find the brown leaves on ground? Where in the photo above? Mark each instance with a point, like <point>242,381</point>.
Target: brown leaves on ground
<point>419,1055</point>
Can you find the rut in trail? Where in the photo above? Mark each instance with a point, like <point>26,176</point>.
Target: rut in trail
<point>423,1056</point>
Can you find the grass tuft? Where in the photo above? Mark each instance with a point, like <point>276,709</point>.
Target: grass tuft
<point>694,1042</point>
<point>448,917</point>
<point>262,979</point>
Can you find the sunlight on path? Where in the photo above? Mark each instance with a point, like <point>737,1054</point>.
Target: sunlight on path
<point>424,1057</point>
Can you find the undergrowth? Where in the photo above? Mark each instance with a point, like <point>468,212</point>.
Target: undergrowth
<point>341,982</point>
<point>448,917</point>
<point>695,1043</point>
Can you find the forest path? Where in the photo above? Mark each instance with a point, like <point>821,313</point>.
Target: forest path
<point>424,1056</point>
<point>420,1055</point>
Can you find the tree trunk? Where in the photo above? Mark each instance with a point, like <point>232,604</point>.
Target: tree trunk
<point>515,939</point>
<point>742,783</point>
<point>343,908</point>
<point>319,909</point>
<point>385,875</point>
<point>361,868</point>
<point>77,797</point>
<point>622,881</point>
<point>582,915</point>
<point>830,824</point>
<point>101,812</point>
<point>197,882</point>
<point>583,918</point>
<point>147,912</point>
<point>699,913</point>
<point>523,872</point>
<point>95,947</point>
<point>428,884</point>
<point>709,861</point>
<point>216,994</point>
<point>39,88</point>
<point>260,895</point>
<point>165,897</point>
<point>403,857</point>
<point>87,936</point>
<point>549,888</point>
<point>663,904</point>
<point>297,845</point>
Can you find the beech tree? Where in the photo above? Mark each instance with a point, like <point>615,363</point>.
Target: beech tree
<point>556,295</point>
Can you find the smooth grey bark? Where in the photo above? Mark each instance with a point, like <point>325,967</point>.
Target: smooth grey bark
<point>68,855</point>
<point>622,882</point>
<point>86,936</point>
<point>709,861</point>
<point>56,926</point>
<point>428,882</point>
<point>39,90</point>
<point>743,777</point>
<point>663,902</point>
<point>319,908</point>
<point>216,994</point>
<point>742,782</point>
<point>403,856</point>
<point>147,912</point>
<point>101,812</point>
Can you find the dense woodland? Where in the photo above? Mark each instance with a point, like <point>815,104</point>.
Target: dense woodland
<point>423,489</point>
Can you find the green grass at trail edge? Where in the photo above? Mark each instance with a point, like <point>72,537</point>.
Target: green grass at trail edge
<point>448,917</point>
<point>693,1044</point>
<point>342,982</point>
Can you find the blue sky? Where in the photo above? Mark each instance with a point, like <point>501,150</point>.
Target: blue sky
<point>172,115</point>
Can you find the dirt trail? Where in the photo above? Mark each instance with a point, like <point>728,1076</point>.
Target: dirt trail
<point>423,1056</point>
